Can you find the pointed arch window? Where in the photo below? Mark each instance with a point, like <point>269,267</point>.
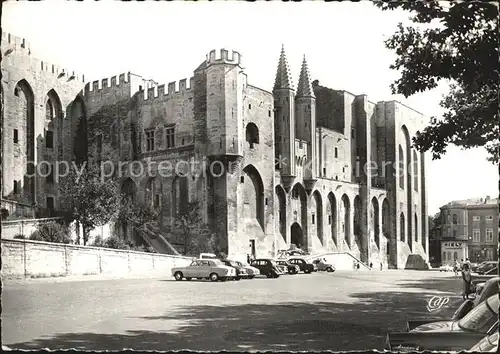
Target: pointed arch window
<point>252,134</point>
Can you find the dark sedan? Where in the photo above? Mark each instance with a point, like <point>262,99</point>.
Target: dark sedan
<point>267,267</point>
<point>304,266</point>
<point>291,268</point>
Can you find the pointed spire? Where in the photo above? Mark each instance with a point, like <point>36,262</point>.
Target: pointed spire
<point>283,77</point>
<point>304,87</point>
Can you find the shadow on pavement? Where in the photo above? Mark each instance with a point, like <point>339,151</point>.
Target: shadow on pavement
<point>448,284</point>
<point>292,326</point>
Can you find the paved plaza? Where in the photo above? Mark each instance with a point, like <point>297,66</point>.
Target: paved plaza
<point>345,310</point>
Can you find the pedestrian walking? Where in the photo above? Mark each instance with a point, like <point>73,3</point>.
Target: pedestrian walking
<point>381,265</point>
<point>467,280</point>
<point>353,265</point>
<point>371,265</point>
<point>456,267</point>
<point>357,266</point>
<point>248,258</point>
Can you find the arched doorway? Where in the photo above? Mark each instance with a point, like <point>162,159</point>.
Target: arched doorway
<point>332,216</point>
<point>253,195</point>
<point>375,221</point>
<point>357,220</point>
<point>345,214</point>
<point>386,226</point>
<point>26,106</point>
<point>408,167</point>
<point>298,205</point>
<point>317,216</point>
<point>416,227</point>
<point>297,235</point>
<point>79,121</point>
<point>402,228</point>
<point>281,198</point>
<point>129,193</point>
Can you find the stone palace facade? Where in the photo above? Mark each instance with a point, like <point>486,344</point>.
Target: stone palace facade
<point>304,165</point>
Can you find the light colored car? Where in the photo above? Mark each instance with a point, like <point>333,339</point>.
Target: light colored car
<point>446,268</point>
<point>207,256</point>
<point>252,271</point>
<point>479,320</point>
<point>323,265</point>
<point>212,269</point>
<point>449,335</point>
<point>488,344</point>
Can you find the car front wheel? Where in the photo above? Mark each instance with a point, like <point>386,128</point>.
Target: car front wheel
<point>214,277</point>
<point>329,269</point>
<point>251,276</point>
<point>178,276</point>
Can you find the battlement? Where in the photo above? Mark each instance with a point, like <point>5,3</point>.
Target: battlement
<point>223,57</point>
<point>15,43</point>
<point>108,84</point>
<point>173,88</point>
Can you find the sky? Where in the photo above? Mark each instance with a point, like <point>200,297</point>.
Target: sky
<point>166,41</point>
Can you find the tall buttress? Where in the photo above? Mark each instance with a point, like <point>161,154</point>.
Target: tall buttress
<point>284,118</point>
<point>305,113</point>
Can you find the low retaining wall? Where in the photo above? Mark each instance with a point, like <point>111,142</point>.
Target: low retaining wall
<point>26,227</point>
<point>35,259</point>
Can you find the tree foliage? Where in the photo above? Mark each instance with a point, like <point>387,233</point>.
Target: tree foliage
<point>92,200</point>
<point>455,41</point>
<point>192,230</point>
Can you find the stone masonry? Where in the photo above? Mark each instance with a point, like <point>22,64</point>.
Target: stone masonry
<point>306,165</point>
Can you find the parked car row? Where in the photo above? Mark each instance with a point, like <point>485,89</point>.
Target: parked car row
<point>209,267</point>
<point>473,326</point>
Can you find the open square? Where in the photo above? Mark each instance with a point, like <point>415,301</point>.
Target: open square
<point>345,310</point>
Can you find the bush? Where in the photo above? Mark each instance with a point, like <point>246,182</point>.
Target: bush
<point>51,232</point>
<point>19,237</point>
<point>4,213</point>
<point>116,243</point>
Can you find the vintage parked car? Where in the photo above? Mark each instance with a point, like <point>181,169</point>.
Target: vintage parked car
<point>267,267</point>
<point>449,335</point>
<point>462,307</point>
<point>486,266</point>
<point>212,269</point>
<point>323,265</point>
<point>252,271</point>
<point>489,344</point>
<point>479,278</point>
<point>241,272</point>
<point>207,256</point>
<point>304,266</point>
<point>290,268</point>
<point>446,268</point>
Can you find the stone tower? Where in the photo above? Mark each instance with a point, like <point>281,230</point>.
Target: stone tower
<point>305,128</point>
<point>284,121</point>
<point>225,134</point>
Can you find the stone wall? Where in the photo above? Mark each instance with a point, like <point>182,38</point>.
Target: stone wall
<point>26,227</point>
<point>34,259</point>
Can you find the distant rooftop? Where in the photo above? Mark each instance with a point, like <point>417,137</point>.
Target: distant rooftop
<point>472,202</point>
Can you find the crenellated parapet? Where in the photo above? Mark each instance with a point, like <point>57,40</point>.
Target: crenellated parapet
<point>107,85</point>
<point>15,43</point>
<point>224,57</point>
<point>173,89</point>
<point>19,45</point>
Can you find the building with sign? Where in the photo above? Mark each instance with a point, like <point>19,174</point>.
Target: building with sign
<point>469,229</point>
